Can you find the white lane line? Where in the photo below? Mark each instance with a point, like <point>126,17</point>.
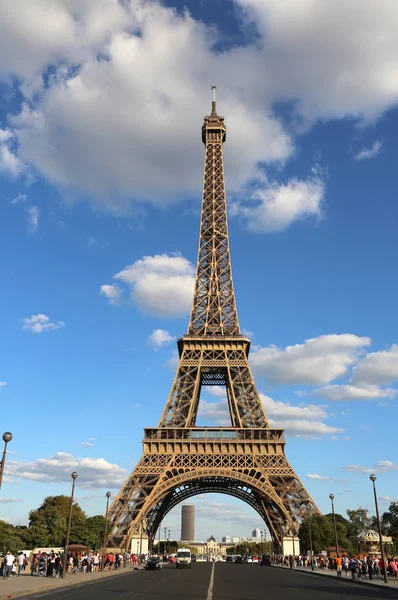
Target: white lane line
<point>210,590</point>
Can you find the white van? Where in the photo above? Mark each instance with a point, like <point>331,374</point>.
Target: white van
<point>183,558</point>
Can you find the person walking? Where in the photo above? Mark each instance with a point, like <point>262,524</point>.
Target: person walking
<point>394,568</point>
<point>339,565</point>
<point>369,562</point>
<point>21,561</point>
<point>291,562</point>
<point>10,558</point>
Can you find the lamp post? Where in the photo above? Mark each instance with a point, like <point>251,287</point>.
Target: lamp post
<point>331,496</point>
<point>310,535</point>
<point>168,541</point>
<point>74,477</point>
<point>7,437</point>
<point>108,495</point>
<point>373,479</point>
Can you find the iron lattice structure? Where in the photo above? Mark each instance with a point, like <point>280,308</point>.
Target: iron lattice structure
<point>180,460</point>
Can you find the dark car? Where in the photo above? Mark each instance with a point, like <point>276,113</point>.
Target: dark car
<point>228,558</point>
<point>154,563</point>
<point>265,560</point>
<point>239,559</point>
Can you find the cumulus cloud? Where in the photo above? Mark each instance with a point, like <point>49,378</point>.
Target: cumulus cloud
<point>366,153</point>
<point>88,44</point>
<point>19,199</point>
<point>377,368</point>
<point>39,323</point>
<point>303,420</point>
<point>3,383</point>
<point>33,218</point>
<point>352,392</point>
<point>93,472</point>
<point>112,292</point>
<point>317,361</point>
<point>160,285</point>
<point>318,477</point>
<point>380,466</point>
<point>160,337</point>
<point>275,207</point>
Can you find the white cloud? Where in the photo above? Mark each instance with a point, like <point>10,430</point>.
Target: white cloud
<point>160,337</point>
<point>377,368</point>
<point>3,383</point>
<point>318,477</point>
<point>5,135</point>
<point>86,444</point>
<point>303,420</point>
<point>93,472</point>
<point>300,59</point>
<point>112,292</point>
<point>160,63</point>
<point>172,362</point>
<point>39,323</point>
<point>9,500</point>
<point>380,467</point>
<point>19,199</point>
<point>10,164</point>
<point>274,207</point>
<point>33,218</point>
<point>160,285</point>
<point>366,153</point>
<point>317,361</point>
<point>352,392</point>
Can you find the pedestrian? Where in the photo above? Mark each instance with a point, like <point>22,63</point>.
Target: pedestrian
<point>369,562</point>
<point>21,561</point>
<point>394,568</point>
<point>339,565</point>
<point>9,561</point>
<point>291,562</point>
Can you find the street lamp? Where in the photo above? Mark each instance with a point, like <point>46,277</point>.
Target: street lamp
<point>373,479</point>
<point>331,496</point>
<point>168,540</point>
<point>74,477</point>
<point>108,495</point>
<point>310,534</point>
<point>7,437</point>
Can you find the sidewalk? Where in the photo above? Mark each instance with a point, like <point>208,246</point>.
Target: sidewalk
<point>391,586</point>
<point>26,584</point>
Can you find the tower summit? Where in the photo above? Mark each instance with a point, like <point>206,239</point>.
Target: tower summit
<point>180,460</point>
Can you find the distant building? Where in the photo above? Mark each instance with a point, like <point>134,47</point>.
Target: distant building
<point>187,522</point>
<point>256,533</point>
<point>226,539</point>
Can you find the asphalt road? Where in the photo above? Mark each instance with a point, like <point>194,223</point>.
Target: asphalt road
<point>230,582</point>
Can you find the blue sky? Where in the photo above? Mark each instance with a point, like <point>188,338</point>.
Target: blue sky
<point>101,165</point>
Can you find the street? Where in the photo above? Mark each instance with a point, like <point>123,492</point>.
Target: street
<point>230,582</point>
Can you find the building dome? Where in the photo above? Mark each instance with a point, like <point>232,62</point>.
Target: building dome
<point>372,536</point>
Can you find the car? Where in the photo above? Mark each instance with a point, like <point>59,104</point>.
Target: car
<point>239,559</point>
<point>154,563</point>
<point>255,560</point>
<point>249,560</point>
<point>228,558</point>
<point>193,557</point>
<point>265,560</point>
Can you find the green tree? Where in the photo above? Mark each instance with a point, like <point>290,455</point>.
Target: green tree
<point>10,538</point>
<point>94,531</point>
<point>48,524</point>
<point>390,523</point>
<point>359,520</point>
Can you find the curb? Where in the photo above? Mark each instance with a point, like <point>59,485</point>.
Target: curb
<point>51,589</point>
<point>385,587</point>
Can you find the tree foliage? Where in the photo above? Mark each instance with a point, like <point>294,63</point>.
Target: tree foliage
<point>359,520</point>
<point>322,531</point>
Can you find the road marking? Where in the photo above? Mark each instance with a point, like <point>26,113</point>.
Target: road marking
<point>210,590</point>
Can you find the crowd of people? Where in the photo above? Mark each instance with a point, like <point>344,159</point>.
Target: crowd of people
<point>50,564</point>
<point>356,567</point>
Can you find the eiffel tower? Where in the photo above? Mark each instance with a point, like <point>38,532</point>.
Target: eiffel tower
<point>180,460</point>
